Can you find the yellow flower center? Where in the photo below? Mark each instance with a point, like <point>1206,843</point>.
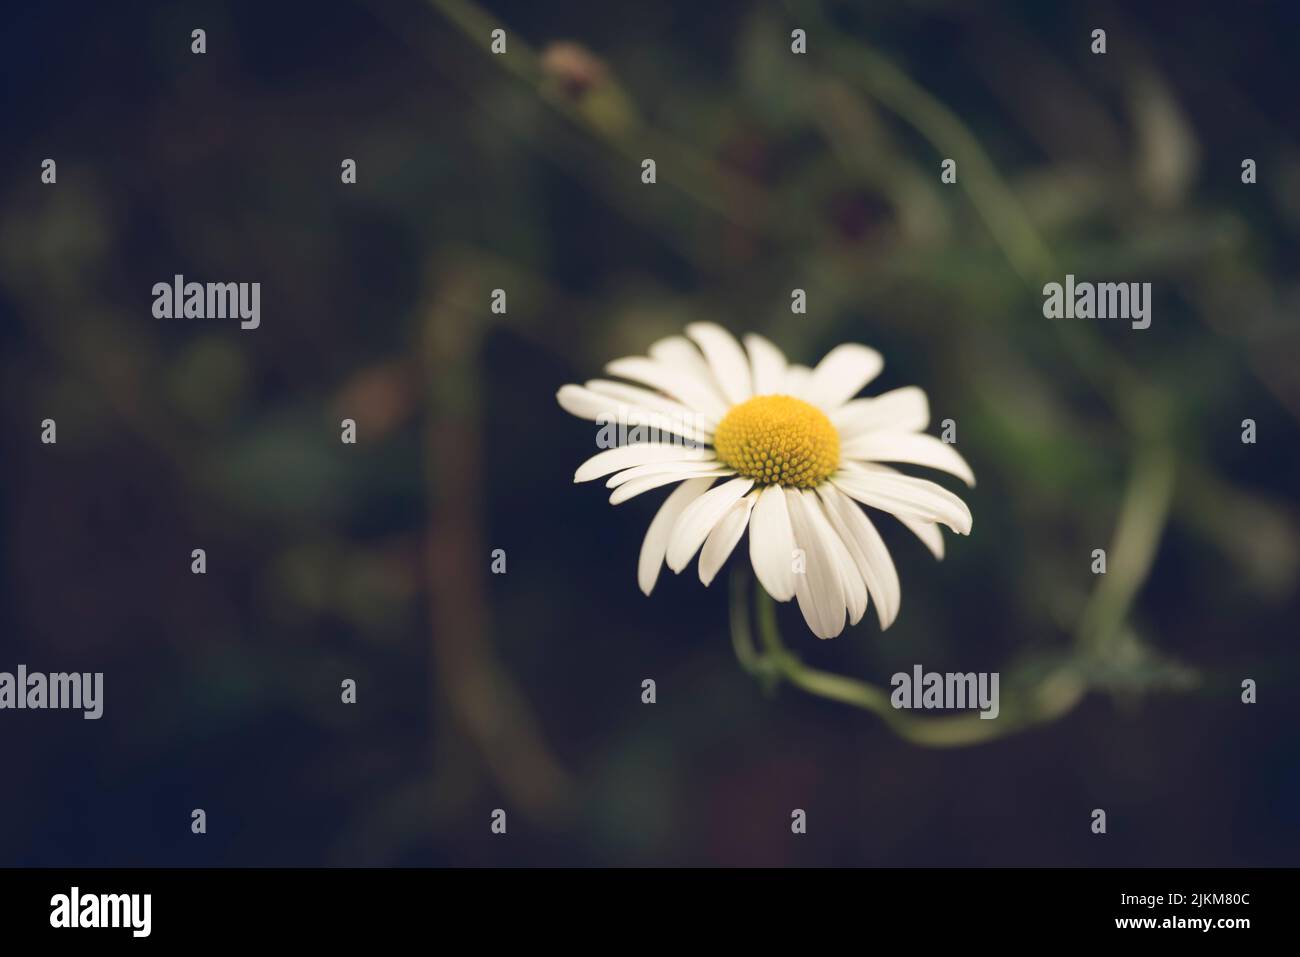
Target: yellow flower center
<point>778,440</point>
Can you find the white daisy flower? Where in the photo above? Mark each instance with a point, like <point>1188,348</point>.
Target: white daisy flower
<point>797,456</point>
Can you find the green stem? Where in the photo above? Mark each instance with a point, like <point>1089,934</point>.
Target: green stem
<point>1048,700</point>
<point>768,631</point>
<point>620,128</point>
<point>1142,519</point>
<point>994,202</point>
<point>741,638</point>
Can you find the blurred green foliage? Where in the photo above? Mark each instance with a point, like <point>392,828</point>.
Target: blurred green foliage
<point>776,171</point>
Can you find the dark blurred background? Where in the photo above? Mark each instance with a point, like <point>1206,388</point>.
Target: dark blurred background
<point>522,691</point>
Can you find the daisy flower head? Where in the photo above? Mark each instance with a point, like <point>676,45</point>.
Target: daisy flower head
<point>752,441</point>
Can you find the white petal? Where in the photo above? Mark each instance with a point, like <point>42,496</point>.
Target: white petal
<point>766,365</point>
<point>682,354</point>
<point>928,532</point>
<point>635,395</point>
<point>726,359</point>
<point>868,550</point>
<point>855,587</point>
<point>585,404</point>
<point>681,384</point>
<point>694,524</point>
<point>722,540</point>
<point>663,468</point>
<point>900,410</point>
<point>771,544</point>
<point>641,453</point>
<point>910,447</point>
<point>636,487</point>
<point>820,589</point>
<point>797,380</point>
<point>904,495</point>
<point>655,544</point>
<point>842,374</point>
<point>680,351</point>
